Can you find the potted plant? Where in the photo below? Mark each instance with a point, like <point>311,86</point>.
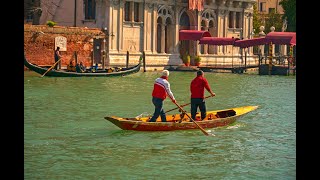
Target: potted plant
<point>197,60</point>
<point>186,59</point>
<point>51,23</point>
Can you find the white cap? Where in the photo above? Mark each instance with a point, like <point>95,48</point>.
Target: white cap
<point>165,73</point>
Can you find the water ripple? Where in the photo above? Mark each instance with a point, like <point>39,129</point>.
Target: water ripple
<point>66,136</point>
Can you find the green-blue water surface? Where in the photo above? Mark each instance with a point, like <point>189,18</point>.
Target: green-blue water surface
<point>67,137</point>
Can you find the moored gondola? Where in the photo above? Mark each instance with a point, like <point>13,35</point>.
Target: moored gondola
<point>87,73</point>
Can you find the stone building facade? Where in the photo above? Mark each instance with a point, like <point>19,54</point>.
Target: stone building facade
<point>267,6</point>
<point>152,27</point>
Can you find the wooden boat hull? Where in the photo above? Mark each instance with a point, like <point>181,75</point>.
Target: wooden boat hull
<point>214,119</point>
<point>64,73</point>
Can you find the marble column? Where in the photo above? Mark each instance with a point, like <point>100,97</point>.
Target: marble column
<point>132,11</point>
<point>272,29</point>
<point>148,27</point>
<point>119,34</point>
<point>221,27</point>
<point>176,31</point>
<point>251,32</point>
<point>262,34</point>
<point>205,46</point>
<point>154,28</point>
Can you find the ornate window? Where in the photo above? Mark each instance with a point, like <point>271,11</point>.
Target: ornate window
<point>165,30</point>
<point>90,9</point>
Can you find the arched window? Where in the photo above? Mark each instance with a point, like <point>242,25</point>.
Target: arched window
<point>212,49</point>
<point>203,28</point>
<point>159,23</point>
<point>169,36</point>
<point>184,20</point>
<point>165,30</point>
<point>184,24</point>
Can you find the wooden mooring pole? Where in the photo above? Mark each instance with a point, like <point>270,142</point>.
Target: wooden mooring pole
<point>245,59</point>
<point>127,62</point>
<point>270,58</point>
<point>144,61</point>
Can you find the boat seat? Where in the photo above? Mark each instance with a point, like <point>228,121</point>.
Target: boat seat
<point>224,114</point>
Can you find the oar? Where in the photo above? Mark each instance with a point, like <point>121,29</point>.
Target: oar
<point>204,132</point>
<point>51,67</point>
<point>185,105</point>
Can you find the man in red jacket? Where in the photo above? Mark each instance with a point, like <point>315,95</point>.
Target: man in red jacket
<point>197,95</point>
<point>161,89</point>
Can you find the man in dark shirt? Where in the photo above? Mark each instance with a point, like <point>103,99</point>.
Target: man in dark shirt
<point>57,56</point>
<point>197,86</point>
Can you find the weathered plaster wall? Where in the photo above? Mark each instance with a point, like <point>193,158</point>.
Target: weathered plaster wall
<point>39,43</point>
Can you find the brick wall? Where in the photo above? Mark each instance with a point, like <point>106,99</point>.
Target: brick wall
<point>39,43</point>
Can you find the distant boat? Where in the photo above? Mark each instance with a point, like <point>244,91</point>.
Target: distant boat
<point>214,119</point>
<point>98,73</point>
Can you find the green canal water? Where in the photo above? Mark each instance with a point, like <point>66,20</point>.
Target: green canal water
<point>67,137</point>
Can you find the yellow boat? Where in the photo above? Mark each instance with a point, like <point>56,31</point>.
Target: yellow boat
<point>182,121</point>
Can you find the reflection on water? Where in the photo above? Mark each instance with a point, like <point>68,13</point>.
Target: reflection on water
<point>67,137</point>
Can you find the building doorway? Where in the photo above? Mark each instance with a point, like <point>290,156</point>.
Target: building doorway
<point>97,48</point>
<point>184,46</point>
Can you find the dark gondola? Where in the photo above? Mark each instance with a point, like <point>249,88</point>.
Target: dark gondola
<point>98,73</point>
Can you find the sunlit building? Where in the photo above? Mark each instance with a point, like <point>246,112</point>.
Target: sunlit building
<point>153,27</point>
<point>268,6</point>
